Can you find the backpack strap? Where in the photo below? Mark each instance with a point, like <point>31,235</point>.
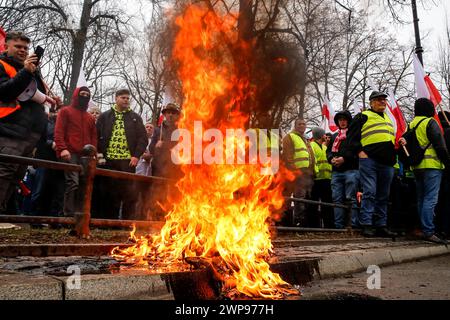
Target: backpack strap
<point>415,128</point>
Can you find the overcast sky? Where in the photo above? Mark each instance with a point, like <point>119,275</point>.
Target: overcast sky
<point>433,19</point>
<point>432,22</point>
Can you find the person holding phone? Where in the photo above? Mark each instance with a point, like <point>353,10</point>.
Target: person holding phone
<point>22,123</point>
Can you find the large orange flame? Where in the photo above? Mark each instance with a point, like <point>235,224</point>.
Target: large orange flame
<point>224,210</point>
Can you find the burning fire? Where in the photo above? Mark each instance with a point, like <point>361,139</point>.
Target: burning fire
<point>223,214</point>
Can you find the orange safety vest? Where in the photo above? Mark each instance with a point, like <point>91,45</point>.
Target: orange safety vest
<point>6,108</point>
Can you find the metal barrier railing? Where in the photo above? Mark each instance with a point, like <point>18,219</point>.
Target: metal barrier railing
<point>348,208</point>
<point>93,222</point>
<point>88,170</point>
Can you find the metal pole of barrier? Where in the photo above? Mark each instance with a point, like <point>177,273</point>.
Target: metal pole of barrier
<point>93,222</point>
<point>40,163</point>
<point>83,217</point>
<point>293,229</point>
<point>349,215</point>
<point>129,176</point>
<point>334,205</point>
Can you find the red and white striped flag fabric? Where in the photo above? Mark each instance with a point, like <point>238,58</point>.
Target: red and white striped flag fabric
<point>396,115</point>
<point>425,87</point>
<point>161,120</point>
<point>2,39</point>
<point>329,113</point>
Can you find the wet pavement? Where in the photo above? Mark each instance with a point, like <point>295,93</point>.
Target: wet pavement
<point>422,280</point>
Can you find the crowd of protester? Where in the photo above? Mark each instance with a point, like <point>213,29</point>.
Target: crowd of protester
<point>359,167</point>
<point>356,167</point>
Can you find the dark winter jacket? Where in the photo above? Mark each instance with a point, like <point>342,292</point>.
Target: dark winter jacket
<point>162,164</point>
<point>44,148</point>
<point>134,130</point>
<point>446,127</point>
<point>350,163</point>
<point>436,138</point>
<point>31,117</point>
<point>75,128</point>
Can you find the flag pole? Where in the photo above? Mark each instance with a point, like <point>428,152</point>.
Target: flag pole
<point>406,151</point>
<point>419,48</point>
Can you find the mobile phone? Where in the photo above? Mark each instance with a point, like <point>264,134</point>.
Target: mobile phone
<point>39,52</point>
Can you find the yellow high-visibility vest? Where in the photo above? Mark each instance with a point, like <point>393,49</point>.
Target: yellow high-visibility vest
<point>430,160</point>
<point>377,129</point>
<point>323,166</point>
<point>302,157</point>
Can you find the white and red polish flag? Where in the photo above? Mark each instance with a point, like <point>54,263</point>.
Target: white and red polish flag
<point>425,88</point>
<point>396,115</point>
<point>2,39</point>
<point>329,113</point>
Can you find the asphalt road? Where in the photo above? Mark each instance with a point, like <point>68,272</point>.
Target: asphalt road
<point>422,280</point>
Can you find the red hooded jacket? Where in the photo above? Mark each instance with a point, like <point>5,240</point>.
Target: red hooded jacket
<point>75,128</point>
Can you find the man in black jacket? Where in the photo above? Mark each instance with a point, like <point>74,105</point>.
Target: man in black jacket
<point>21,122</point>
<point>371,136</point>
<point>122,139</point>
<point>443,207</point>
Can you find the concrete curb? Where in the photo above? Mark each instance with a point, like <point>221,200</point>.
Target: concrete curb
<point>343,263</point>
<point>137,285</point>
<point>119,287</point>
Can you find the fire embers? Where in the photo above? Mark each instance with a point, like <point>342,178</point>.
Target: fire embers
<point>222,219</point>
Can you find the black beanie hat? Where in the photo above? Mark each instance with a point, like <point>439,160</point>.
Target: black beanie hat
<point>85,89</point>
<point>424,108</point>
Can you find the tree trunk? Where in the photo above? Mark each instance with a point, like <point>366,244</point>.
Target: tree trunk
<point>79,44</point>
<point>246,20</point>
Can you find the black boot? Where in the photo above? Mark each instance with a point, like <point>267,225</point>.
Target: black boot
<point>368,232</point>
<point>385,233</point>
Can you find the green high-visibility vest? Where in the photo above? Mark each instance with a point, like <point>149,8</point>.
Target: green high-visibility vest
<point>301,154</point>
<point>377,129</point>
<point>323,166</point>
<point>430,160</point>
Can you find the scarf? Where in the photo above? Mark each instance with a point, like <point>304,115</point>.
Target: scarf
<point>340,137</point>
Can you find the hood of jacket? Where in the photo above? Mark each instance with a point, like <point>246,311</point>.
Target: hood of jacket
<point>75,103</point>
<point>345,114</point>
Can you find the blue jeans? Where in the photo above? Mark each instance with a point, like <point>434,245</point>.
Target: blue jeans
<point>376,182</point>
<point>344,186</point>
<point>428,183</point>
